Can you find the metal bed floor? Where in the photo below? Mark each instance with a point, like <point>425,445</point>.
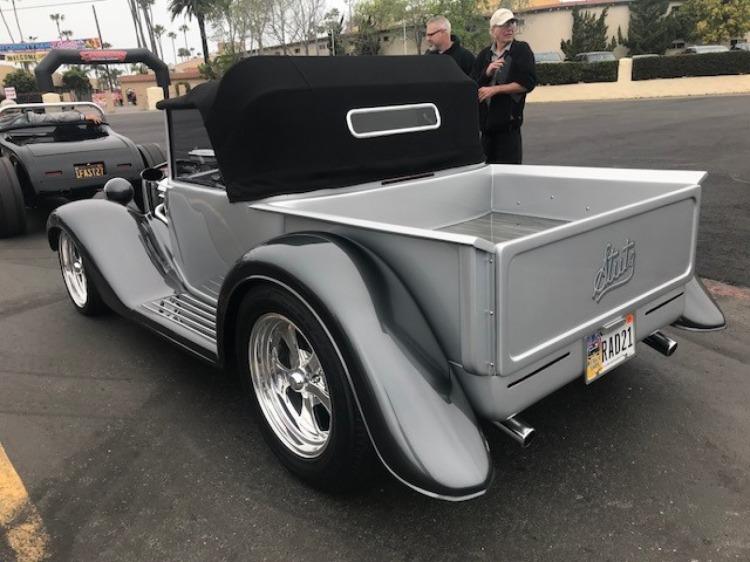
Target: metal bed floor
<point>501,227</point>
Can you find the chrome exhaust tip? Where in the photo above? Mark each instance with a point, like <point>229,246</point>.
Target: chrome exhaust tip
<point>661,343</point>
<point>519,430</point>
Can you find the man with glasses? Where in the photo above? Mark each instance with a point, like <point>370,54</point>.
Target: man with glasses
<point>505,73</point>
<point>441,42</point>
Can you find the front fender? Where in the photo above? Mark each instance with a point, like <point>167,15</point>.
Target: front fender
<point>418,417</point>
<point>119,246</point>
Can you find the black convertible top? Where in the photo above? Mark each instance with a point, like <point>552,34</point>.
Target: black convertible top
<point>279,124</point>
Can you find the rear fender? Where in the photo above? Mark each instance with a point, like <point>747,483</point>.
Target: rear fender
<point>416,412</point>
<point>701,313</point>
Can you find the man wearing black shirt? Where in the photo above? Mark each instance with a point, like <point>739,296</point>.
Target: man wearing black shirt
<point>441,42</point>
<point>505,73</point>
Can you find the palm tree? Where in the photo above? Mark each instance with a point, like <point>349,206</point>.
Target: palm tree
<point>67,34</point>
<point>159,31</point>
<point>198,8</point>
<point>136,23</point>
<point>57,18</point>
<point>18,24</point>
<point>145,8</point>
<point>172,35</point>
<point>184,28</point>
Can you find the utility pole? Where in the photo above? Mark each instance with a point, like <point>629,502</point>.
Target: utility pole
<point>101,42</point>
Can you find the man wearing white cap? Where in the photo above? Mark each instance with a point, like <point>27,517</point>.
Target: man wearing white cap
<point>505,73</point>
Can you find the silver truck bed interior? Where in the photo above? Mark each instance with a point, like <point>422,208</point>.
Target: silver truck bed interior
<point>501,227</point>
<point>495,203</point>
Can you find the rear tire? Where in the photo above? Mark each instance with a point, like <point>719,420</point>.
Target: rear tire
<point>152,154</point>
<point>79,285</point>
<point>307,411</point>
<point>12,207</point>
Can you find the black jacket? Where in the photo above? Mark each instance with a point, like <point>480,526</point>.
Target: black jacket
<point>463,57</point>
<point>505,112</point>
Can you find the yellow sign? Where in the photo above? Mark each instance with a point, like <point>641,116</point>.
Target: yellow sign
<point>25,57</point>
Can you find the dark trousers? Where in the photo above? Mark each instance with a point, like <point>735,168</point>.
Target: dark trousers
<point>503,148</point>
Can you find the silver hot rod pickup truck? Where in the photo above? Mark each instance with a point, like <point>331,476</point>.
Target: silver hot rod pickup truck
<point>327,228</point>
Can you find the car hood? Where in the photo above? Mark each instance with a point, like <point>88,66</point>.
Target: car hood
<point>99,145</point>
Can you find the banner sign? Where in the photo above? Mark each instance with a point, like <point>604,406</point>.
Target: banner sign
<point>104,56</point>
<point>78,44</point>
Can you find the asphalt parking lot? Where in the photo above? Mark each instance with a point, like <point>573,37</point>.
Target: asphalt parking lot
<point>129,449</point>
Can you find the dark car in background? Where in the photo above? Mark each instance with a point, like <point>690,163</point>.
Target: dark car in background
<point>71,159</point>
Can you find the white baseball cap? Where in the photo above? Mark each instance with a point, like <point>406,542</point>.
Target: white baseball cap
<point>501,17</point>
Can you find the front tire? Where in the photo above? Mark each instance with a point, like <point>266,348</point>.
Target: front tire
<point>81,290</point>
<point>12,207</point>
<point>298,389</point>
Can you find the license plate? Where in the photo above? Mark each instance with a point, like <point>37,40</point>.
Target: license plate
<point>610,346</point>
<point>86,171</point>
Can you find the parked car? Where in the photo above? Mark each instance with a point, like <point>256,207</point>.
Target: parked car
<point>73,159</point>
<point>646,56</point>
<point>330,230</point>
<point>595,56</point>
<point>744,46</point>
<point>548,57</point>
<point>703,49</point>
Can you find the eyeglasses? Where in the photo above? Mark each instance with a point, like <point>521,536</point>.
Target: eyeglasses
<point>434,32</point>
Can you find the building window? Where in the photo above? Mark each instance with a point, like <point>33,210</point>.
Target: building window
<point>386,38</point>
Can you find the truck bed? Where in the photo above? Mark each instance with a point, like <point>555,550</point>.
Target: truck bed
<point>515,263</point>
<point>500,227</point>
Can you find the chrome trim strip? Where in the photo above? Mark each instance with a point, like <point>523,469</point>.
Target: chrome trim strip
<point>187,312</point>
<point>178,318</point>
<point>387,132</point>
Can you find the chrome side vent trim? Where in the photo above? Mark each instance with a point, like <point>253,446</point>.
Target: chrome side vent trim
<point>188,312</point>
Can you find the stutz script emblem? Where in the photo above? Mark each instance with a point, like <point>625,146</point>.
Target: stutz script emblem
<point>617,269</point>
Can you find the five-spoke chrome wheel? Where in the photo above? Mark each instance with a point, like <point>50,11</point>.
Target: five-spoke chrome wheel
<point>73,273</point>
<point>290,385</point>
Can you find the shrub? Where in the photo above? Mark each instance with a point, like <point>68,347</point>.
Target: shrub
<point>575,72</point>
<point>708,64</point>
<point>22,80</point>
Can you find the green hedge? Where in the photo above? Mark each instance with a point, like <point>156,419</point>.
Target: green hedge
<point>574,72</point>
<point>708,64</point>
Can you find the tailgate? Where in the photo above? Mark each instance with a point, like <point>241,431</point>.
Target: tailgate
<point>562,284</point>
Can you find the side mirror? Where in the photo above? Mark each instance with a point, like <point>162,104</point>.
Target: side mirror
<point>119,190</point>
<point>152,174</point>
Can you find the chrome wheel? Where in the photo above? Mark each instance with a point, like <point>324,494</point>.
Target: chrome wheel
<point>290,385</point>
<point>73,273</point>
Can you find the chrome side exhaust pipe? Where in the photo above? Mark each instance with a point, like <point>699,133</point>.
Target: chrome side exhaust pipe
<point>519,430</point>
<point>661,343</point>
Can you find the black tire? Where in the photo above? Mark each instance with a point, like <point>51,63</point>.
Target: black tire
<point>152,154</point>
<point>12,207</point>
<point>92,304</point>
<point>347,461</point>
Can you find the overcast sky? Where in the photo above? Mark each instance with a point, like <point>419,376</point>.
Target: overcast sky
<point>114,19</point>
